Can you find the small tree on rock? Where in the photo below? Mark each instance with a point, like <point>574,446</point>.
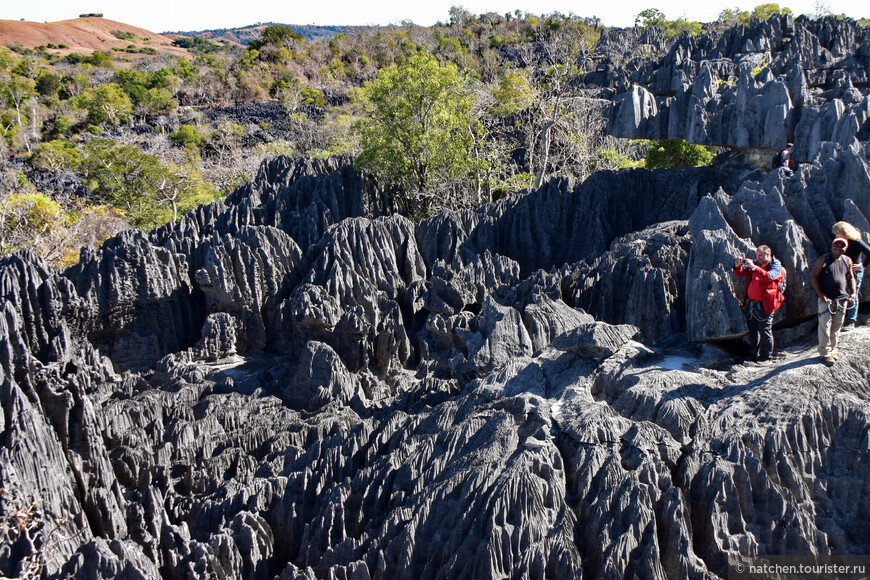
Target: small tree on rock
<point>415,130</point>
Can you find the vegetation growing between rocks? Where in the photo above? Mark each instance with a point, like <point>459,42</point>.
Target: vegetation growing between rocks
<point>496,107</point>
<point>670,153</point>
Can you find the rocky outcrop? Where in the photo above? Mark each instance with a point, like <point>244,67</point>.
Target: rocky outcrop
<point>640,280</point>
<point>760,86</point>
<point>466,394</point>
<point>298,384</point>
<point>792,216</point>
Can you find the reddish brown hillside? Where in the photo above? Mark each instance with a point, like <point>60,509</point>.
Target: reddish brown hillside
<point>83,35</point>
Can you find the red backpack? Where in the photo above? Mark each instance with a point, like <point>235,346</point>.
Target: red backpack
<point>780,288</point>
<point>779,297</point>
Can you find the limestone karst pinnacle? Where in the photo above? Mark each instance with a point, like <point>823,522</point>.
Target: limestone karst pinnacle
<point>294,384</point>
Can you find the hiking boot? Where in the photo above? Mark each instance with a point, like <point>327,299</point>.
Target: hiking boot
<point>829,360</point>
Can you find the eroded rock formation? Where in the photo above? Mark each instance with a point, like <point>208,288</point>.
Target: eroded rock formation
<point>760,86</point>
<point>296,384</point>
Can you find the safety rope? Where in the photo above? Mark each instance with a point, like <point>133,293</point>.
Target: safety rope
<point>756,311</point>
<point>840,305</point>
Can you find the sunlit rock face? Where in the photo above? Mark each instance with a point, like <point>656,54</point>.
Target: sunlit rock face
<point>297,384</point>
<point>752,87</point>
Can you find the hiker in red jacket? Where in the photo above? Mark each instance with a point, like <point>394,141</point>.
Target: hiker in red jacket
<point>763,297</point>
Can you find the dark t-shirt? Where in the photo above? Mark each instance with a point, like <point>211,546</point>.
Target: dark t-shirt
<point>859,252</point>
<point>832,278</point>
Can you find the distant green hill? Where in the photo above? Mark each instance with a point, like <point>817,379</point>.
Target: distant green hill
<point>245,34</point>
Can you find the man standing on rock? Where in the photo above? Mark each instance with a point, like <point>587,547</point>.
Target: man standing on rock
<point>762,300</point>
<point>834,283</point>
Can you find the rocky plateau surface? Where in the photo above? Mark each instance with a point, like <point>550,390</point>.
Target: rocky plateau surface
<point>297,384</point>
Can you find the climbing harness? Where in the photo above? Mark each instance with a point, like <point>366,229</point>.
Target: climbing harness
<point>841,305</point>
<point>755,310</point>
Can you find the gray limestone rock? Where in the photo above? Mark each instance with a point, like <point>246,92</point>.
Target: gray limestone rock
<point>595,340</point>
<point>247,275</point>
<point>308,389</point>
<point>218,337</point>
<point>316,379</point>
<point>99,559</point>
<point>545,319</point>
<point>703,91</point>
<point>713,309</point>
<point>140,299</point>
<point>640,280</point>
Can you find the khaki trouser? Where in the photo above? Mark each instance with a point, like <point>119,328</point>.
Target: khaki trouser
<point>830,325</point>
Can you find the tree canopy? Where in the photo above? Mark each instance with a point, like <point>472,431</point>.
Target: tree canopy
<point>417,126</point>
<point>761,12</point>
<point>448,116</point>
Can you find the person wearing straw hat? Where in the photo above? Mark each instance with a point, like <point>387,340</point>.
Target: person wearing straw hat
<point>859,252</point>
<point>834,283</point>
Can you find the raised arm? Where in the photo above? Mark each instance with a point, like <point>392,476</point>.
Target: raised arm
<point>771,274</point>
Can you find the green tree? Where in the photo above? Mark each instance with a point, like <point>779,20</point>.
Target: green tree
<point>681,25</point>
<point>196,44</point>
<point>186,136</point>
<point>18,93</point>
<point>276,35</point>
<point>47,83</point>
<point>415,127</point>
<point>99,59</point>
<point>27,220</point>
<point>156,101</point>
<point>667,153</point>
<point>312,96</point>
<point>36,222</point>
<point>224,139</point>
<point>56,155</point>
<point>513,94</point>
<point>150,93</point>
<point>72,85</point>
<point>123,177</point>
<point>733,16</point>
<point>149,193</point>
<point>765,11</point>
<point>651,18</point>
<point>181,188</point>
<point>613,158</point>
<point>107,105</point>
<point>761,12</point>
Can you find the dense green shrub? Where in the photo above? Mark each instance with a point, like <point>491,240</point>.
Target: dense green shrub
<point>668,153</point>
<point>186,136</point>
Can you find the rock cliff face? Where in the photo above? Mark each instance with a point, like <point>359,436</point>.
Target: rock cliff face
<point>761,86</point>
<point>297,384</point>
